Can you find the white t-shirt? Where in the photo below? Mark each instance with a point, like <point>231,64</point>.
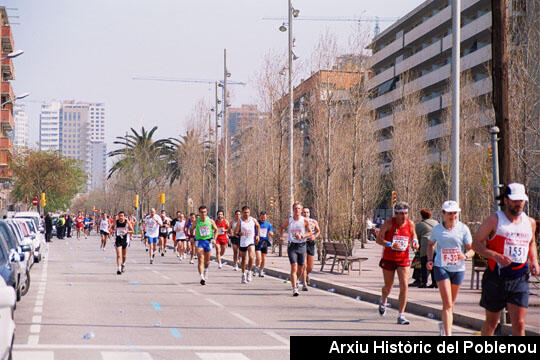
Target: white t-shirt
<point>104,225</point>
<point>248,228</point>
<point>179,229</point>
<point>152,225</point>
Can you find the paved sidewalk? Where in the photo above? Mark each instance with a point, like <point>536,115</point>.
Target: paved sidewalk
<point>420,301</point>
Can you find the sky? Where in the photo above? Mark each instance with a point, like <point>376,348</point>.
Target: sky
<point>89,50</point>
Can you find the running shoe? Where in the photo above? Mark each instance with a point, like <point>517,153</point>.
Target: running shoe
<point>162,253</point>
<point>441,329</point>
<point>191,261</point>
<point>402,321</point>
<point>261,274</point>
<point>249,277</point>
<point>220,266</point>
<point>146,249</point>
<point>295,291</point>
<point>235,267</point>
<point>382,308</point>
<point>304,287</point>
<point>151,261</point>
<point>123,267</point>
<point>203,282</point>
<point>118,272</point>
<point>243,279</point>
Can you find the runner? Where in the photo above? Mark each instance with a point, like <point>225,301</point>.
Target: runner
<point>506,240</point>
<point>298,230</point>
<point>152,222</point>
<point>222,239</point>
<point>396,236</point>
<point>191,235</point>
<point>145,235</point>
<point>205,234</point>
<point>246,227</point>
<point>164,232</point>
<point>133,220</point>
<point>86,223</point>
<point>453,242</point>
<point>235,239</point>
<point>122,228</point>
<point>267,231</point>
<point>180,237</point>
<point>310,247</point>
<point>104,230</point>
<point>79,224</point>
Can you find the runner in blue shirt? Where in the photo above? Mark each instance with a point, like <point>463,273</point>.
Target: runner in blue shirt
<point>267,231</point>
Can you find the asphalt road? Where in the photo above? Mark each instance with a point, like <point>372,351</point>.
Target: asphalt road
<point>78,308</point>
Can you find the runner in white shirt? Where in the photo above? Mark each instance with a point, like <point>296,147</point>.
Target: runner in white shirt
<point>104,230</point>
<point>181,237</point>
<point>152,223</point>
<point>246,228</point>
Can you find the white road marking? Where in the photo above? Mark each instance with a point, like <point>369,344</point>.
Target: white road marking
<point>165,277</point>
<point>33,355</point>
<point>33,339</point>
<point>35,329</point>
<point>277,337</point>
<point>215,303</point>
<point>123,355</point>
<point>244,319</point>
<point>36,319</point>
<point>39,297</point>
<point>194,292</point>
<point>38,309</point>
<point>39,302</point>
<point>221,356</point>
<point>148,347</point>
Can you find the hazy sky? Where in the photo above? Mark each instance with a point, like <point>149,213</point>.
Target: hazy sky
<point>89,50</point>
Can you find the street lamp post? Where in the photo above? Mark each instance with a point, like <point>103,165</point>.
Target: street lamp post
<point>22,96</point>
<point>12,55</point>
<point>217,156</point>
<point>456,72</point>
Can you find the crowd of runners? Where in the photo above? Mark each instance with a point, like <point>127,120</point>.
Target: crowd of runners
<point>506,239</point>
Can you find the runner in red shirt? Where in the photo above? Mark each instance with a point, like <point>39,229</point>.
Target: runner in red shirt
<point>79,224</point>
<point>396,236</point>
<point>222,239</point>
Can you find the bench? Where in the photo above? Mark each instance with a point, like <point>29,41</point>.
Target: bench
<point>343,256</point>
<point>479,264</point>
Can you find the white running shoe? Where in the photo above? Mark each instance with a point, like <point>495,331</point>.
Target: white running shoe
<point>191,261</point>
<point>295,291</point>
<point>249,277</point>
<point>261,274</point>
<point>220,266</point>
<point>243,279</point>
<point>235,267</point>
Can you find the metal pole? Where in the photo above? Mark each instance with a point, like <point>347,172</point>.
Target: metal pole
<point>456,51</point>
<point>225,131</point>
<point>291,110</point>
<point>217,157</point>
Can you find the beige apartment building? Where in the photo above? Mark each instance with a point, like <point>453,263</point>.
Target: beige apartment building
<point>418,47</point>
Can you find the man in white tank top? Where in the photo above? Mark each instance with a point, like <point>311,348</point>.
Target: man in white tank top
<point>246,228</point>
<point>298,231</point>
<point>506,239</point>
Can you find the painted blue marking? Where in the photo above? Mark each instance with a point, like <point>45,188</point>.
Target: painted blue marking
<point>134,283</point>
<point>176,333</point>
<point>156,306</point>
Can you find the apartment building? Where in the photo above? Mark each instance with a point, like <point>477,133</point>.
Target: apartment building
<point>21,137</point>
<point>414,54</point>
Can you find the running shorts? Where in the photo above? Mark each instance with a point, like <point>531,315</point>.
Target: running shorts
<point>498,290</point>
<point>104,233</point>
<point>121,241</point>
<point>152,240</point>
<point>204,244</point>
<point>297,253</point>
<point>262,246</point>
<point>222,242</point>
<point>310,248</point>
<point>244,249</point>
<point>235,240</point>
<point>455,277</point>
<point>393,265</point>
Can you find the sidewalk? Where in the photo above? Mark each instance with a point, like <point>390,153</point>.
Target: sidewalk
<point>423,302</point>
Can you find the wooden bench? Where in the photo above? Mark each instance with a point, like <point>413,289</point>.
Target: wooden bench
<point>479,264</point>
<point>343,256</point>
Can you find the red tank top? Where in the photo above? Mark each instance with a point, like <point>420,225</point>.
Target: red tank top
<point>402,235</point>
<point>222,229</point>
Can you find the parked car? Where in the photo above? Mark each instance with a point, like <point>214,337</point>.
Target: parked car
<point>34,216</point>
<point>23,237</point>
<point>9,267</point>
<point>28,230</point>
<point>7,324</point>
<point>23,251</point>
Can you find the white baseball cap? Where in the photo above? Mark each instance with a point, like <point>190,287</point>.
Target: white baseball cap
<point>450,206</point>
<point>517,192</point>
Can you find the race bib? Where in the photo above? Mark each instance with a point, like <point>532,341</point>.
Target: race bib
<point>403,242</point>
<point>120,231</point>
<point>450,257</point>
<point>517,250</point>
<point>264,233</point>
<point>221,231</point>
<point>204,231</point>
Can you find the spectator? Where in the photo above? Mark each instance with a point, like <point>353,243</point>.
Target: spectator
<point>423,231</point>
<point>69,224</point>
<point>48,227</point>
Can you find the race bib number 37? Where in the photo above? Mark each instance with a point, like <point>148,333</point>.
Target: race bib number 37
<point>517,250</point>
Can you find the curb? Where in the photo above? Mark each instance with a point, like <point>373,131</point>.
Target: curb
<point>420,308</point>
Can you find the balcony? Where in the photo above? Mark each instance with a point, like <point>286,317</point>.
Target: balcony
<point>6,89</point>
<point>7,39</point>
<point>7,120</point>
<point>469,30</point>
<point>419,58</point>
<point>385,99</point>
<point>380,78</point>
<point>476,89</point>
<point>429,106</point>
<point>7,69</point>
<point>385,145</point>
<point>430,24</point>
<point>383,122</point>
<point>386,52</point>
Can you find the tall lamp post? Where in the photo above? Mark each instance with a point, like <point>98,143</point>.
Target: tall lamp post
<point>292,12</point>
<point>456,72</point>
<point>22,96</point>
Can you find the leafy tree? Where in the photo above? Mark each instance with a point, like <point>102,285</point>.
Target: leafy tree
<point>59,177</point>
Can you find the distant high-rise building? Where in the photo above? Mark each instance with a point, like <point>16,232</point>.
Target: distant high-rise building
<point>21,136</point>
<point>77,129</point>
<point>241,117</point>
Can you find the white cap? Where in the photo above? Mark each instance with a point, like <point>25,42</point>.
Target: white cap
<point>450,206</point>
<point>517,192</point>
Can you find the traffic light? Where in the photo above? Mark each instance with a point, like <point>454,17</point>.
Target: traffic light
<point>43,200</point>
<point>272,202</point>
<point>136,202</point>
<point>162,198</point>
<point>394,198</point>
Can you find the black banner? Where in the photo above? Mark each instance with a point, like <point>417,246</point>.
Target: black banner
<point>355,347</point>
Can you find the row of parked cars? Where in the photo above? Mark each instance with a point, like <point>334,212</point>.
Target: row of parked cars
<point>22,241</point>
